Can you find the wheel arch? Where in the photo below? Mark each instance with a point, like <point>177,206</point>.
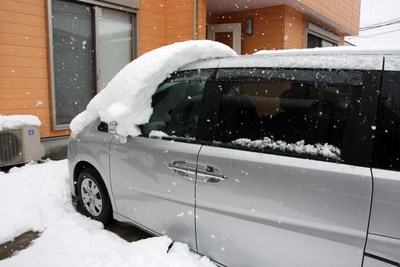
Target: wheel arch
<point>79,167</point>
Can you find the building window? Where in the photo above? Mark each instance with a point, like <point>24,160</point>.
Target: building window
<point>319,37</point>
<point>90,44</point>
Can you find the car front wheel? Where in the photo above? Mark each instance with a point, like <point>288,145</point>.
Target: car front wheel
<point>93,196</point>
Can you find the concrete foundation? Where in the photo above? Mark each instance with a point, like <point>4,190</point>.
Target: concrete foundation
<point>55,148</point>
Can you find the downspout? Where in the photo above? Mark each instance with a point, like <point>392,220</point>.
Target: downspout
<point>195,20</point>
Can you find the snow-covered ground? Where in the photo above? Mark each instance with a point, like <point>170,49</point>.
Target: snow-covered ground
<point>37,197</point>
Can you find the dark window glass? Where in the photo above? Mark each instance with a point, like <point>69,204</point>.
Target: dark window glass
<point>387,142</point>
<point>176,106</point>
<point>302,112</point>
<point>315,41</point>
<point>103,127</point>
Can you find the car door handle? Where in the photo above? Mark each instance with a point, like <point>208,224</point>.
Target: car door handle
<point>183,168</point>
<point>205,173</point>
<point>209,174</point>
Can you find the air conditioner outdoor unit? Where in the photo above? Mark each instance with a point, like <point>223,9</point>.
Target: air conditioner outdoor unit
<point>20,145</point>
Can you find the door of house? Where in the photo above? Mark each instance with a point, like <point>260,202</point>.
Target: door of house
<point>229,34</point>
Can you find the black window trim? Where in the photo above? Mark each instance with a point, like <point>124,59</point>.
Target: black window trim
<point>385,81</point>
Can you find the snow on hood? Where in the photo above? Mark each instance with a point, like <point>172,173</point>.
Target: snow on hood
<point>127,98</point>
<point>15,121</point>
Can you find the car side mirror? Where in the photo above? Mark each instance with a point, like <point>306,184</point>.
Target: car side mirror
<point>112,127</point>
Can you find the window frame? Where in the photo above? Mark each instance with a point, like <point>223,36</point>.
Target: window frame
<point>321,33</point>
<point>361,156</point>
<point>96,5</point>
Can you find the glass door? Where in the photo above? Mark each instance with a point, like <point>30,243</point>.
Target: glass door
<point>229,34</point>
<point>114,37</point>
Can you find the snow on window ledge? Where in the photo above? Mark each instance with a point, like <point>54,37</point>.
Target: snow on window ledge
<point>324,150</point>
<point>16,121</point>
<point>157,134</point>
<point>160,135</point>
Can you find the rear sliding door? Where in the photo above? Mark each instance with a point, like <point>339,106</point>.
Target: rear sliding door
<point>288,182</point>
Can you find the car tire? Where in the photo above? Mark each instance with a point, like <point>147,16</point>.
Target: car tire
<point>93,196</point>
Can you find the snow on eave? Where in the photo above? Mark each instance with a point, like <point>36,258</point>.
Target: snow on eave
<point>17,121</point>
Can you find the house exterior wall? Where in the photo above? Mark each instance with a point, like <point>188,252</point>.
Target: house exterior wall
<point>277,27</point>
<point>342,12</point>
<point>179,20</point>
<point>268,27</point>
<point>294,29</point>
<point>163,22</point>
<point>151,25</point>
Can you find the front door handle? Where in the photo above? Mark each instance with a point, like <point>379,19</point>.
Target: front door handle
<point>209,174</point>
<point>183,168</point>
<point>205,173</point>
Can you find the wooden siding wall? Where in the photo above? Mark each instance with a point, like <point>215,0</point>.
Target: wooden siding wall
<point>24,78</point>
<point>278,27</point>
<point>163,22</point>
<point>294,29</point>
<point>343,12</point>
<point>268,27</point>
<point>152,25</point>
<point>179,22</point>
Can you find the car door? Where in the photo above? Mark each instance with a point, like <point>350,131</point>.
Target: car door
<point>289,183</point>
<point>153,175</point>
<point>383,245</point>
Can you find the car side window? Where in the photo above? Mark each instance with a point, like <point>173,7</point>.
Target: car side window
<point>287,112</point>
<point>176,106</point>
<point>386,153</point>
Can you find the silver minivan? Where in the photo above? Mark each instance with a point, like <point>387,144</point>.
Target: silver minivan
<point>277,159</point>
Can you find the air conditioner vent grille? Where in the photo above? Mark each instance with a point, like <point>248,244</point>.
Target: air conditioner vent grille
<point>11,146</point>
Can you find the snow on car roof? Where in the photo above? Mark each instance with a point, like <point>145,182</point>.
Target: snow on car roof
<point>322,58</point>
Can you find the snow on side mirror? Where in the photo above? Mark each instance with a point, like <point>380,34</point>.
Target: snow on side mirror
<point>112,127</point>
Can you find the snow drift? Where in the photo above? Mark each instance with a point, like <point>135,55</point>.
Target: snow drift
<point>127,98</point>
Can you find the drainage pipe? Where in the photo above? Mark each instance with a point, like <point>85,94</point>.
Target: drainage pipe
<point>195,20</point>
